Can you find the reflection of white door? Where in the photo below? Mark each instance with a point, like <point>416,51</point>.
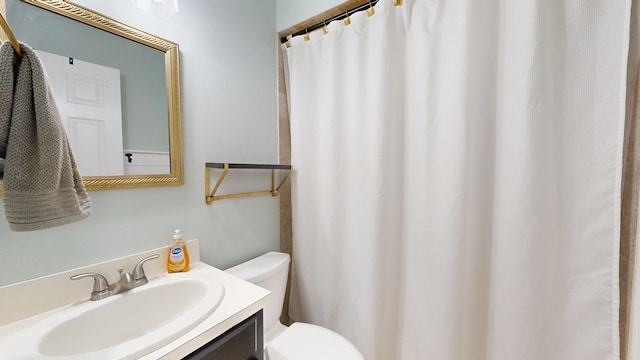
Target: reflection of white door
<point>88,97</point>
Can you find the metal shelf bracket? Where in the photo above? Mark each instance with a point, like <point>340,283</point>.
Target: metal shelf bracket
<point>210,195</point>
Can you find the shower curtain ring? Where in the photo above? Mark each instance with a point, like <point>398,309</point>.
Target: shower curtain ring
<point>370,10</point>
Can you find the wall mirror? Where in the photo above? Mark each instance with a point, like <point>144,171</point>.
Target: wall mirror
<point>107,56</point>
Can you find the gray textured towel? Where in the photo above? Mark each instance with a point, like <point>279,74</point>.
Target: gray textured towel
<point>42,186</point>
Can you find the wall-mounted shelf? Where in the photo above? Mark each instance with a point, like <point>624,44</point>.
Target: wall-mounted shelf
<point>210,196</point>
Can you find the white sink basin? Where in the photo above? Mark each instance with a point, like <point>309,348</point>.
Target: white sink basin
<point>123,326</point>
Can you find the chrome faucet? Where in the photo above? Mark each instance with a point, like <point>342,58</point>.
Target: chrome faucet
<point>102,289</point>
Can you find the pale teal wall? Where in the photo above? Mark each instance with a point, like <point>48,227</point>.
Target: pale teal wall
<point>228,69</point>
<point>292,12</point>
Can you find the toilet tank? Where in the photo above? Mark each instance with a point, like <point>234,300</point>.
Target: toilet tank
<point>269,271</point>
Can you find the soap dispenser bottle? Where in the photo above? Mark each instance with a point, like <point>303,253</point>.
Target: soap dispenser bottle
<point>178,258</point>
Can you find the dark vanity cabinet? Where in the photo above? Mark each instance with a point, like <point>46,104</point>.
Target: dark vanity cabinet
<point>242,342</point>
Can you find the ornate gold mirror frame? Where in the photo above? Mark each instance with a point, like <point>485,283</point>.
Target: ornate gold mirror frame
<point>170,49</point>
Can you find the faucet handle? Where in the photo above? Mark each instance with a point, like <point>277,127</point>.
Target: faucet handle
<point>100,285</point>
<point>139,277</point>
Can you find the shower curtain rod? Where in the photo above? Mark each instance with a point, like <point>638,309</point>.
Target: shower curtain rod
<point>341,16</point>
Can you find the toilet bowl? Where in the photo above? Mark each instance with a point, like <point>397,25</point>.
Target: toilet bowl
<point>300,340</point>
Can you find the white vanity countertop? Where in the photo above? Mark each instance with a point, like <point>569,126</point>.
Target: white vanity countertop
<point>241,300</point>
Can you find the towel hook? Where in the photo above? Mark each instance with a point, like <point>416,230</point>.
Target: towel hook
<point>12,38</point>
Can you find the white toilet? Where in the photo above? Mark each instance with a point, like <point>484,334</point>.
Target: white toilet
<point>298,341</point>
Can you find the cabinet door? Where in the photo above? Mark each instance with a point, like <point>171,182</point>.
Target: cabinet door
<point>242,342</point>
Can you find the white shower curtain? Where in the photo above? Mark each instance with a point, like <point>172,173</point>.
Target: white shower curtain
<point>457,184</point>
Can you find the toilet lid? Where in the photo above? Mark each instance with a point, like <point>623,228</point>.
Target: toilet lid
<point>311,342</point>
